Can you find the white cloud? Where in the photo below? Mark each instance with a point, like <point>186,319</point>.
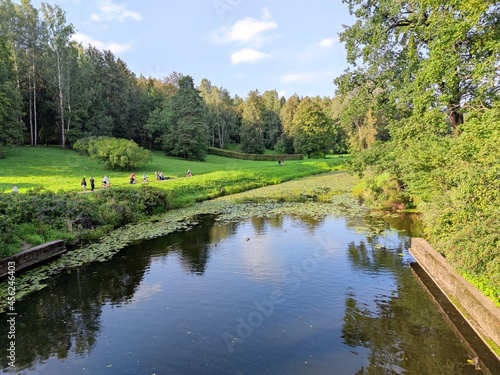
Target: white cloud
<point>248,55</point>
<point>113,47</point>
<point>248,30</point>
<point>110,11</point>
<point>328,42</point>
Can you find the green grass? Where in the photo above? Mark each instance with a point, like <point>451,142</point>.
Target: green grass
<point>55,169</point>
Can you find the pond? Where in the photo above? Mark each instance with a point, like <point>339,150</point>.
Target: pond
<point>277,295</point>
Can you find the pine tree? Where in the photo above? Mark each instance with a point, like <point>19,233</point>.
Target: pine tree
<point>186,135</point>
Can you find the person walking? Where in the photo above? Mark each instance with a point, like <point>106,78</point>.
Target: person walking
<point>84,184</point>
<point>92,183</point>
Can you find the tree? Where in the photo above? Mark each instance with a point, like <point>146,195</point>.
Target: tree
<point>431,56</point>
<point>287,113</point>
<point>114,153</point>
<point>271,116</point>
<point>58,45</point>
<point>186,132</point>
<point>11,131</point>
<point>221,113</point>
<point>252,139</point>
<point>314,131</point>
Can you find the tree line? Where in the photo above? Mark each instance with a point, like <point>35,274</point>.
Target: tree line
<point>54,90</point>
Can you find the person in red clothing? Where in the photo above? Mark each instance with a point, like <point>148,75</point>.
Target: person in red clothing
<point>132,178</point>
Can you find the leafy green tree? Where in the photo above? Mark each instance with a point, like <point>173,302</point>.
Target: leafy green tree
<point>186,133</point>
<point>287,113</point>
<point>221,113</point>
<point>271,116</point>
<point>314,131</point>
<point>251,135</point>
<point>11,129</point>
<point>58,46</point>
<point>117,154</point>
<point>430,56</point>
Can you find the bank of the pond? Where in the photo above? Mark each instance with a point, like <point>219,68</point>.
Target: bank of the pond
<point>43,215</point>
<point>479,311</point>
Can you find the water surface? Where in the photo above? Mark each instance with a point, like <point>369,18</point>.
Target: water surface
<point>282,295</point>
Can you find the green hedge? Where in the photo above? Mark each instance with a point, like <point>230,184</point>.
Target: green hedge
<point>261,157</point>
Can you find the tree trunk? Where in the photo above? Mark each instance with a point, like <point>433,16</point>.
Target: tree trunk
<point>30,100</point>
<point>35,113</point>
<point>456,118</point>
<point>61,101</point>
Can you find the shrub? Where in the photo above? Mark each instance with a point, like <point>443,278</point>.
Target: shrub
<point>115,153</point>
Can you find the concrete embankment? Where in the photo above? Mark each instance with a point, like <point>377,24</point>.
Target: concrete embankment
<point>479,311</point>
<point>30,257</point>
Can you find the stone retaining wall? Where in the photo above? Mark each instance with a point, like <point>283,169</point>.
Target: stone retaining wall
<point>483,315</point>
<point>33,256</point>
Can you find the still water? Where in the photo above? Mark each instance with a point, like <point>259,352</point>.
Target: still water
<point>282,295</point>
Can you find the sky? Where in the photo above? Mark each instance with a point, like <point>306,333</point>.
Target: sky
<point>291,46</point>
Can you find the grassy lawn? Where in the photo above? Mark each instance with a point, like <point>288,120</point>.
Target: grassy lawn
<point>55,169</point>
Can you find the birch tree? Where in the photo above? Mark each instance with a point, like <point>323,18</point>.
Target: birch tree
<point>58,48</point>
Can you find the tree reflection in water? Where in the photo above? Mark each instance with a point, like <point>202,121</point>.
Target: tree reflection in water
<point>409,325</point>
<point>63,318</point>
<point>381,296</point>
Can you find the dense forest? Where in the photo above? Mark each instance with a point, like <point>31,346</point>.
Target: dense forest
<point>418,110</point>
<point>56,91</point>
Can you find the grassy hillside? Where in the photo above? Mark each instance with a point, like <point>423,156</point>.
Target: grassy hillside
<point>55,169</point>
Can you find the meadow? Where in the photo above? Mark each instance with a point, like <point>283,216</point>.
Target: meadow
<point>55,169</point>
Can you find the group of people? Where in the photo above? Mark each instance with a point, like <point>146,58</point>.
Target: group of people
<point>160,176</point>
<point>133,180</point>
<point>106,183</point>
<point>91,181</point>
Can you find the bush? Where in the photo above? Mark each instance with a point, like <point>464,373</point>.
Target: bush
<point>115,153</point>
<point>75,218</point>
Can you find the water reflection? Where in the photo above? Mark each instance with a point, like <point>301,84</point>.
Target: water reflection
<point>359,310</point>
<point>410,326</point>
<point>65,316</point>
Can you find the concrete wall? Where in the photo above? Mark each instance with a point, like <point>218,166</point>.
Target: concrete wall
<point>33,256</point>
<point>482,314</point>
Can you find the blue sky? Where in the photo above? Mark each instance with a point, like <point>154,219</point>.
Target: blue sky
<point>242,45</point>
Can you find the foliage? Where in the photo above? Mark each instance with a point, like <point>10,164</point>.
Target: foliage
<point>186,133</point>
<point>10,99</point>
<point>314,131</point>
<point>115,154</point>
<point>420,106</point>
<point>222,116</point>
<point>47,215</point>
<point>462,216</point>
<point>251,133</point>
<point>271,108</point>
